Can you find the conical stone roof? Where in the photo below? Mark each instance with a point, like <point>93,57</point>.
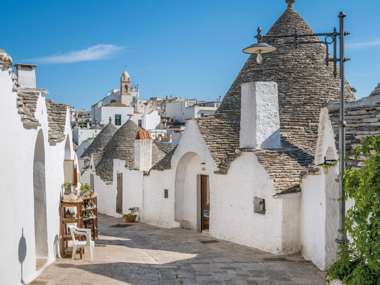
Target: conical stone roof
<point>376,91</point>
<point>96,148</point>
<point>305,85</point>
<point>121,146</point>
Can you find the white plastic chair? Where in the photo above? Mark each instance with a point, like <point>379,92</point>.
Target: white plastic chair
<point>78,244</point>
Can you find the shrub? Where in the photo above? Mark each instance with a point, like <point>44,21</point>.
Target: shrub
<point>359,261</point>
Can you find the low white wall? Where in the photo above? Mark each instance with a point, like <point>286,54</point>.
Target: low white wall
<point>106,192</point>
<point>320,217</point>
<point>232,213</point>
<point>157,209</point>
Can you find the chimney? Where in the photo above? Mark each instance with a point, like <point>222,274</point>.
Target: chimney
<point>260,118</point>
<point>143,150</point>
<point>26,74</point>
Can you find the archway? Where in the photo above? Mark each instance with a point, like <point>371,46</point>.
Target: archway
<point>39,188</point>
<point>191,184</point>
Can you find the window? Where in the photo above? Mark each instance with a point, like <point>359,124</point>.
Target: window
<point>140,123</point>
<point>117,120</point>
<point>259,205</point>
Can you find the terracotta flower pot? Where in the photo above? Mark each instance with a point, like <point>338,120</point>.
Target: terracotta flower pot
<point>129,218</point>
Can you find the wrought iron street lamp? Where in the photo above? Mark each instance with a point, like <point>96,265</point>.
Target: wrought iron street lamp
<point>263,46</point>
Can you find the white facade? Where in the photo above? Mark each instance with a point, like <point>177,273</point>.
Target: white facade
<point>103,114</point>
<point>82,134</point>
<point>32,174</point>
<point>151,120</point>
<point>183,109</point>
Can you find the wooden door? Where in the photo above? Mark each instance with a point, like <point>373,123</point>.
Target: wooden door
<point>119,194</point>
<point>205,203</point>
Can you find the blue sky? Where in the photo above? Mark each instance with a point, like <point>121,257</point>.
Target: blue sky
<point>169,47</point>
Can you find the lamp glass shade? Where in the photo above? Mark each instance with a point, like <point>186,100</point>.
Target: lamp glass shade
<point>259,48</point>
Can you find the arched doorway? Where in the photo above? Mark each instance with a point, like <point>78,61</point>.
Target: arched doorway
<point>192,193</point>
<point>39,188</point>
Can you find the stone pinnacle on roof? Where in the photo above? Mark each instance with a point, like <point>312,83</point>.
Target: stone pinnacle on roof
<point>290,3</point>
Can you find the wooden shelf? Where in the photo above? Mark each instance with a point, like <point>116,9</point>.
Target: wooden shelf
<point>84,205</point>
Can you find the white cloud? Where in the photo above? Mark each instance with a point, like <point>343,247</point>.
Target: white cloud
<point>92,53</point>
<point>366,44</point>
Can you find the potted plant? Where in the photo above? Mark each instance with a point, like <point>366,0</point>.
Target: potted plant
<point>85,189</point>
<point>67,189</point>
<point>131,216</point>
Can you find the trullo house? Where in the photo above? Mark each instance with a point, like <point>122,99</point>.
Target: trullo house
<point>35,142</point>
<point>251,173</point>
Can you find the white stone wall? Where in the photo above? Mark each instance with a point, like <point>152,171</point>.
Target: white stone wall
<point>143,154</point>
<point>320,202</point>
<point>106,192</point>
<point>104,113</point>
<point>320,217</point>
<point>82,134</point>
<point>176,110</point>
<point>158,210</point>
<point>17,203</point>
<point>151,120</point>
<point>260,119</point>
<point>231,215</point>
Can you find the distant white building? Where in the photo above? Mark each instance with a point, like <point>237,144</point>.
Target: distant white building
<point>118,105</point>
<point>181,110</point>
<point>82,134</point>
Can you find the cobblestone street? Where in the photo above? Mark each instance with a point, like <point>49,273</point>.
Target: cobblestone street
<point>142,254</point>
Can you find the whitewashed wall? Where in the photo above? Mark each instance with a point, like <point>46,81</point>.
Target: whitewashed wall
<point>17,203</point>
<point>106,192</point>
<point>151,120</point>
<point>157,210</point>
<point>232,215</point>
<point>320,217</point>
<point>106,112</point>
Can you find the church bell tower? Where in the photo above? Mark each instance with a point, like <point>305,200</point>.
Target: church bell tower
<point>125,89</point>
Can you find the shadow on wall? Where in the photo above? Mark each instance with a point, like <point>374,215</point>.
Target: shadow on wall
<point>22,249</point>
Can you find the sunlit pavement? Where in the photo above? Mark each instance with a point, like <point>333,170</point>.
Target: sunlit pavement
<point>142,254</point>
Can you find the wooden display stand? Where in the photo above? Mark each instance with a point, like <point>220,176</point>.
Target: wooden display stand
<point>80,211</point>
<point>90,215</point>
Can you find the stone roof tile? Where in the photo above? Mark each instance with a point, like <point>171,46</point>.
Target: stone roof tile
<point>27,104</point>
<point>56,120</point>
<point>121,146</point>
<point>96,148</point>
<point>362,120</point>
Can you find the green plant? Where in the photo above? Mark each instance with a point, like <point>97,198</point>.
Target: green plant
<point>130,217</point>
<point>85,188</point>
<point>359,261</point>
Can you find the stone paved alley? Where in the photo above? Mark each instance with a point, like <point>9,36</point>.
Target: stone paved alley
<point>142,254</point>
